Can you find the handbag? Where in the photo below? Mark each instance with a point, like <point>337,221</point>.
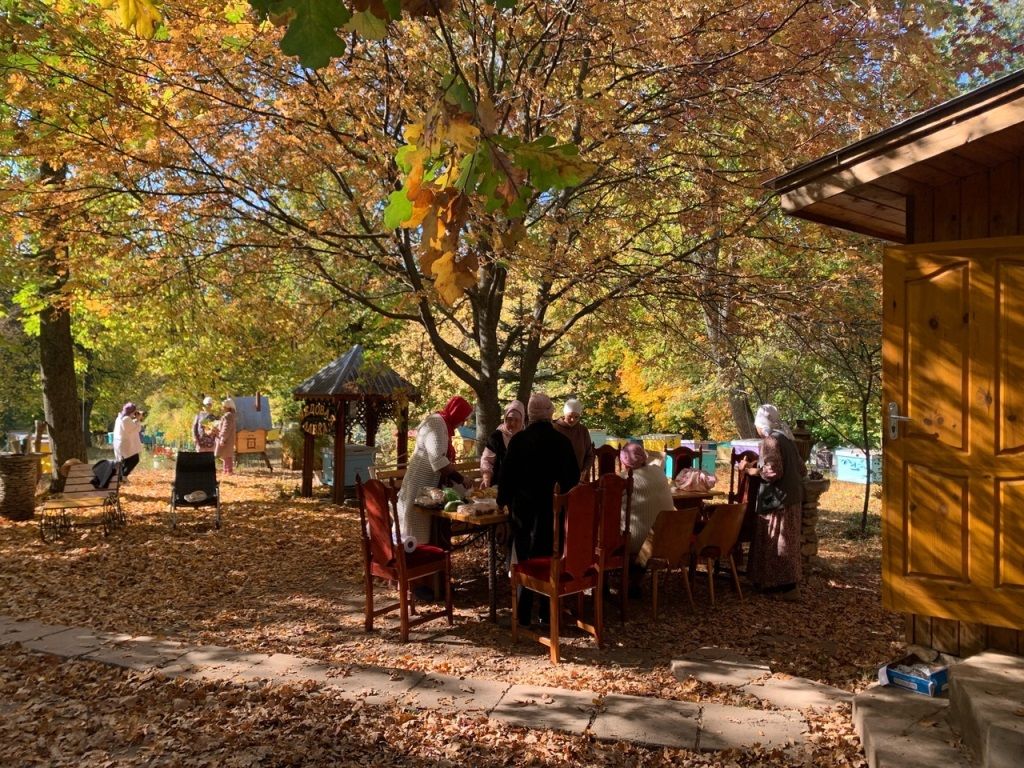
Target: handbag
<point>770,498</point>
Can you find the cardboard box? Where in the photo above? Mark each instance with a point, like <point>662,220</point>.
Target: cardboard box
<point>934,683</point>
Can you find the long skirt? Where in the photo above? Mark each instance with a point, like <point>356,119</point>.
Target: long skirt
<point>775,553</point>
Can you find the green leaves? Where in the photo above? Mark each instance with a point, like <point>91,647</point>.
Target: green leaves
<point>399,209</point>
<point>312,26</point>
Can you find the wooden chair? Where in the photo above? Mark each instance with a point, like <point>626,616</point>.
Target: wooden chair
<point>668,547</point>
<point>606,461</point>
<point>746,488</point>
<point>566,571</point>
<point>612,490</point>
<point>683,458</point>
<point>717,540</point>
<point>379,529</point>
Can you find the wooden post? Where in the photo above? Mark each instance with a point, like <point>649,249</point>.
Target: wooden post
<point>339,452</point>
<point>403,435</point>
<point>372,422</point>
<point>307,464</point>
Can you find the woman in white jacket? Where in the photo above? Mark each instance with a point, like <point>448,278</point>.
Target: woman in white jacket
<point>128,438</point>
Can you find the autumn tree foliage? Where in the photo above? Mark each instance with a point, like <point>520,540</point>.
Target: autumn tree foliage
<point>495,173</point>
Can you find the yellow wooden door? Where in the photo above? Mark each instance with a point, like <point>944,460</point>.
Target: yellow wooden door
<point>953,478</point>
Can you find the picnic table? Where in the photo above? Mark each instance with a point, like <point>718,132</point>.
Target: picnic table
<point>488,524</point>
<point>693,499</point>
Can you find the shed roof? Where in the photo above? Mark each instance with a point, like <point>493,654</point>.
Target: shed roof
<point>348,379</point>
<point>248,417</point>
<point>865,186</point>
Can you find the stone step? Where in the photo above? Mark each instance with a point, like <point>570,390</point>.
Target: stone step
<point>986,694</point>
<point>902,729</point>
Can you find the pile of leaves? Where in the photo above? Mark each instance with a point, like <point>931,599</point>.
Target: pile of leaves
<point>284,574</point>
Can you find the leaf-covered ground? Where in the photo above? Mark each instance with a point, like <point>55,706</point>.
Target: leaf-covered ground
<point>284,574</point>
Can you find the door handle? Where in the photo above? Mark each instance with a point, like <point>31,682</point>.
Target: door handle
<point>894,421</point>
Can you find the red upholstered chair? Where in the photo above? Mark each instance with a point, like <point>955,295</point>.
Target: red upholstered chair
<point>717,539</point>
<point>569,570</point>
<point>384,559</point>
<point>683,458</point>
<point>606,461</point>
<point>613,489</point>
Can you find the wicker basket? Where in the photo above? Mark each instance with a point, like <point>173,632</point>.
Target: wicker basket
<point>18,475</point>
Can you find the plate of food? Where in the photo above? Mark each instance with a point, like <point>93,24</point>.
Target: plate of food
<point>428,502</point>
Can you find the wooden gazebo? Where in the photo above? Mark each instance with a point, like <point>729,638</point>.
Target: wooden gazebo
<point>348,393</point>
<point>945,189</point>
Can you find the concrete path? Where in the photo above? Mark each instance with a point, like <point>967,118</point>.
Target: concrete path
<point>615,717</point>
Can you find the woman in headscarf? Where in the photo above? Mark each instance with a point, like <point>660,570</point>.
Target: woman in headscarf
<point>431,462</point>
<point>775,552</point>
<point>651,493</point>
<point>497,443</point>
<point>226,430</point>
<point>203,434</point>
<point>128,438</point>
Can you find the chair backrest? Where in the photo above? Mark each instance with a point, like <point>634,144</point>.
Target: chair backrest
<point>613,489</point>
<point>606,460</point>
<point>672,535</point>
<point>720,533</point>
<point>195,472</point>
<point>376,523</point>
<point>738,483</point>
<point>682,458</point>
<point>578,512</point>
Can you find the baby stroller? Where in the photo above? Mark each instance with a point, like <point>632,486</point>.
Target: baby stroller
<point>195,484</point>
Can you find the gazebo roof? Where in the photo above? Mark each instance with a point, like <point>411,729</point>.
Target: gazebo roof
<point>867,186</point>
<point>346,379</point>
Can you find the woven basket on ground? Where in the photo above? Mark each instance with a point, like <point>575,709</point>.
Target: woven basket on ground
<point>18,475</point>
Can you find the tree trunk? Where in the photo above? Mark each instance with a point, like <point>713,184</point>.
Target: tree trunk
<point>865,441</point>
<point>88,389</point>
<point>62,408</point>
<point>742,415</point>
<point>488,412</point>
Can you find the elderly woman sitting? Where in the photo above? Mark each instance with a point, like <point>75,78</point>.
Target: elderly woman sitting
<point>651,493</point>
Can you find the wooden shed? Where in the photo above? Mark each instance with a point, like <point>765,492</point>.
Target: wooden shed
<point>253,414</point>
<point>945,190</point>
<point>347,393</point>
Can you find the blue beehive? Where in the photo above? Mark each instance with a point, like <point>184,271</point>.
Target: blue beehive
<point>851,466</point>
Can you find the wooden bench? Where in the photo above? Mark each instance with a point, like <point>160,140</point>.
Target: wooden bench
<point>82,504</point>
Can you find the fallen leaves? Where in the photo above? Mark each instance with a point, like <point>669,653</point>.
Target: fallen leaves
<point>284,575</point>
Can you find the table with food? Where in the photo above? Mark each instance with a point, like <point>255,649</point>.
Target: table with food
<point>477,510</point>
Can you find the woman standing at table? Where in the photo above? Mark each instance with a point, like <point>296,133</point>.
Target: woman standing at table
<point>431,462</point>
<point>497,443</point>
<point>226,430</point>
<point>128,438</point>
<point>775,552</point>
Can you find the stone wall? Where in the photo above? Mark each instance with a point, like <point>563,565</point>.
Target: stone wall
<point>813,488</point>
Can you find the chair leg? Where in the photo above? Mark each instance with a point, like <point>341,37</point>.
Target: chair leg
<point>449,608</point>
<point>599,613</point>
<point>654,591</point>
<point>515,613</point>
<point>624,590</point>
<point>735,577</point>
<point>711,579</point>
<point>555,615</point>
<point>369,603</point>
<point>403,603</point>
<point>686,582</point>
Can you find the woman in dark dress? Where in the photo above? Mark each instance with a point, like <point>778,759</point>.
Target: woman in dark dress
<point>497,443</point>
<point>775,554</point>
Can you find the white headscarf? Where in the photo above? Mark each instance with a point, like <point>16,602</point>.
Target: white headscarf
<point>572,405</point>
<point>768,419</point>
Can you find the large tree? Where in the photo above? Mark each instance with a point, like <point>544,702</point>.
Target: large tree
<point>539,162</point>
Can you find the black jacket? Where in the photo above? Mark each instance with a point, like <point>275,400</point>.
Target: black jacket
<point>537,458</point>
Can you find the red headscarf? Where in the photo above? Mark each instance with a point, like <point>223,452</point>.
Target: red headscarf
<point>455,412</point>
